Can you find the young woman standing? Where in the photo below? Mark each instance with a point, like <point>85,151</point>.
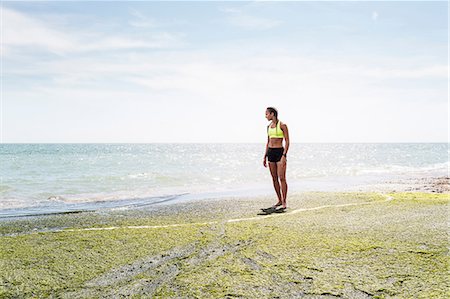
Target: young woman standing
<point>276,154</point>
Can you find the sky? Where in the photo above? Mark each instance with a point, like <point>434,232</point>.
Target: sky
<point>145,72</point>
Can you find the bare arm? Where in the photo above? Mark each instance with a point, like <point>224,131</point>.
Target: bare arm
<point>265,155</point>
<point>267,147</point>
<point>286,137</point>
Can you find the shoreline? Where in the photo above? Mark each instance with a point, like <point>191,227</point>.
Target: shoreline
<point>436,183</point>
<point>197,209</point>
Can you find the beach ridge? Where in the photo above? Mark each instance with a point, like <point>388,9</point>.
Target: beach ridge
<point>388,198</point>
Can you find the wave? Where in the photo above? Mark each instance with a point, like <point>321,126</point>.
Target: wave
<point>12,203</point>
<point>58,207</point>
<point>5,188</point>
<point>399,169</point>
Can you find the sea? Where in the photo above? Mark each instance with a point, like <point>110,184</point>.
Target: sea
<point>38,179</point>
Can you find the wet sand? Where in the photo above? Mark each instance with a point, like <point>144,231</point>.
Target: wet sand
<point>386,241</point>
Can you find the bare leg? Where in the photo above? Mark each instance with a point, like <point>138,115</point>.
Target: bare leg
<point>276,184</point>
<point>281,171</point>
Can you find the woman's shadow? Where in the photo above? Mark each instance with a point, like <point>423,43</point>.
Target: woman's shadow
<point>271,210</point>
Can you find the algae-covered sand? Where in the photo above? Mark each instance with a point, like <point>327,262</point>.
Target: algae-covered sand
<point>347,245</point>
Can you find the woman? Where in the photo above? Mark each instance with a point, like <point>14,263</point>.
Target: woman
<point>276,154</point>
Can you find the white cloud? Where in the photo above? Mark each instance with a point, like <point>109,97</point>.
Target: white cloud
<point>108,43</point>
<point>20,30</point>
<point>433,71</point>
<point>321,99</point>
<point>141,21</point>
<point>239,18</point>
<point>216,72</point>
<point>230,10</point>
<point>25,32</point>
<point>252,22</point>
<point>374,15</point>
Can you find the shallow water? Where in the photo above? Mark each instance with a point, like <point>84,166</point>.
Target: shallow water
<point>72,177</point>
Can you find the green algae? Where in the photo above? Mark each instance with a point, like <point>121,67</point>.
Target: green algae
<point>421,198</point>
<point>47,263</point>
<point>386,249</point>
<point>341,260</point>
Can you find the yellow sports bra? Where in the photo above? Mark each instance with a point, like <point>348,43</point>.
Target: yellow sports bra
<point>275,132</point>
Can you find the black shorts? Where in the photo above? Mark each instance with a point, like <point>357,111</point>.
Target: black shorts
<point>274,154</point>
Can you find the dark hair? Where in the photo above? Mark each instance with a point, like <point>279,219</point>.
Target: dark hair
<point>273,110</point>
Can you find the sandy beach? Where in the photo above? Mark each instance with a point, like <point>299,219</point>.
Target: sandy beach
<point>390,242</point>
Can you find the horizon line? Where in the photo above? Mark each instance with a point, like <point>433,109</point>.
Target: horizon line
<point>319,142</point>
